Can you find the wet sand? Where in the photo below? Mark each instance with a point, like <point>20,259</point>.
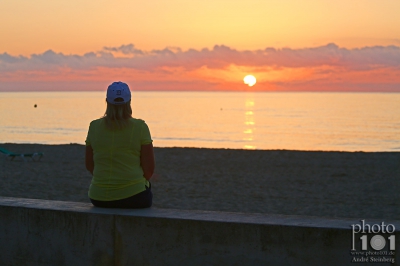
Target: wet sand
<point>331,184</point>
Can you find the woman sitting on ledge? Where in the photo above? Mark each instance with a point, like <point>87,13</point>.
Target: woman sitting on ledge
<point>119,155</point>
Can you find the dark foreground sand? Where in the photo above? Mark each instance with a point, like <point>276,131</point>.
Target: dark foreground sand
<point>333,184</point>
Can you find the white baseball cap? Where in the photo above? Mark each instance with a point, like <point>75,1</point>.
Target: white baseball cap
<point>118,93</point>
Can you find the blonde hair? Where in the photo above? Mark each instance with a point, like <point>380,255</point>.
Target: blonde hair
<point>116,116</point>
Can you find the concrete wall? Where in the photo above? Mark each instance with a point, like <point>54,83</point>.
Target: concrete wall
<point>41,232</point>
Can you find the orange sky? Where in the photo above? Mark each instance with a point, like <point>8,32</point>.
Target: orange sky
<point>309,45</point>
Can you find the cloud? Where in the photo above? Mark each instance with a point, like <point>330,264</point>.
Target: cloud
<point>6,58</point>
<point>327,63</point>
<point>219,57</point>
<point>128,49</point>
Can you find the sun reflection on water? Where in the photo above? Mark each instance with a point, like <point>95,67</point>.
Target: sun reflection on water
<point>249,123</point>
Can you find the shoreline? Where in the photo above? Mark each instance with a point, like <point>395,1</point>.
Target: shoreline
<point>335,184</point>
<point>204,148</point>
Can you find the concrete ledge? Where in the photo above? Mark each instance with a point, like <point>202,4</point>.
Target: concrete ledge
<point>42,232</point>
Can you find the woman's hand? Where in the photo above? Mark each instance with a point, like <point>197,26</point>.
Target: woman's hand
<point>89,159</point>
<point>147,161</point>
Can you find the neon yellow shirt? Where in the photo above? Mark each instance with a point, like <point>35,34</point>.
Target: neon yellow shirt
<point>116,153</point>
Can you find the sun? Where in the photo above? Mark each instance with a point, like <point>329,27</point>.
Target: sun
<point>249,80</point>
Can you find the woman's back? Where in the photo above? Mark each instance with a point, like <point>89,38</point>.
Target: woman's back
<point>119,153</point>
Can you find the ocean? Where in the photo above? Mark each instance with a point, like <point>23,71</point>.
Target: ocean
<point>232,120</point>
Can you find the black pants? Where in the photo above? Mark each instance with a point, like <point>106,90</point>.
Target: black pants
<point>142,200</point>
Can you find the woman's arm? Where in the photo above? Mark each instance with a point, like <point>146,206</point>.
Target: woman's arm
<point>147,161</point>
<point>89,159</point>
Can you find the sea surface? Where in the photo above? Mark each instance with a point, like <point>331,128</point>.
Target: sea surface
<point>237,120</point>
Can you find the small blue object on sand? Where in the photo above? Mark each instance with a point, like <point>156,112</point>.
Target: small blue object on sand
<point>36,156</point>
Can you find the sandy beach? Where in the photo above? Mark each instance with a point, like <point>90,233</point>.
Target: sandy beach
<point>331,184</point>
